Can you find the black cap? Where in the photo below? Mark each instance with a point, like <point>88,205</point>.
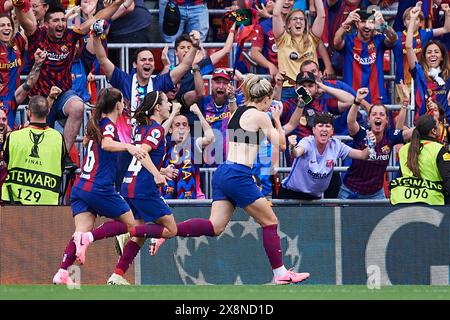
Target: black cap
<point>305,76</point>
<point>172,19</point>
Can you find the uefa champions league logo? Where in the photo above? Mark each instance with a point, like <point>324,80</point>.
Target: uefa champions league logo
<point>36,139</point>
<point>292,256</point>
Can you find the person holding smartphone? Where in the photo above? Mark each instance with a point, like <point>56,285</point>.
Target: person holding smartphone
<point>315,157</point>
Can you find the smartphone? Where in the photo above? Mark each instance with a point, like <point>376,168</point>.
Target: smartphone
<point>243,17</point>
<point>304,95</point>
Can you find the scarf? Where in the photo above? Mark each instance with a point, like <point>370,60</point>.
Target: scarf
<point>135,97</point>
<point>434,74</point>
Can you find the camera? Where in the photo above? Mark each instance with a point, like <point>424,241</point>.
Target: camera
<point>304,95</point>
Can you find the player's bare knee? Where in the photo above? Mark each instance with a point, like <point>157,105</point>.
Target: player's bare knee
<point>218,230</point>
<point>171,232</point>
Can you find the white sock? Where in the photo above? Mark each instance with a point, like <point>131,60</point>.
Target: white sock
<point>279,272</point>
<point>91,237</point>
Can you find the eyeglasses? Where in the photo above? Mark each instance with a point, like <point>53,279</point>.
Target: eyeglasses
<point>298,19</point>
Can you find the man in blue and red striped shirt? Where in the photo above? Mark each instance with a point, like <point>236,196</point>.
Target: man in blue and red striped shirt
<point>363,52</point>
<point>59,42</point>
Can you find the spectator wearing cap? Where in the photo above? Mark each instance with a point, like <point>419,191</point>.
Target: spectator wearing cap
<point>315,158</point>
<point>204,64</point>
<point>363,51</point>
<point>365,179</point>
<point>420,37</point>
<point>296,42</point>
<point>186,15</point>
<point>340,122</point>
<point>338,102</point>
<point>217,109</point>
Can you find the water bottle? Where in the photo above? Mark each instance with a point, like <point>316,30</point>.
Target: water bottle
<point>371,146</point>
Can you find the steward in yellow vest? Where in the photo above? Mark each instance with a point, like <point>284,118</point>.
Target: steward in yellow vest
<point>425,167</point>
<point>34,156</point>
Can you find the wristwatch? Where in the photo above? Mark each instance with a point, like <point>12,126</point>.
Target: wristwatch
<point>195,69</point>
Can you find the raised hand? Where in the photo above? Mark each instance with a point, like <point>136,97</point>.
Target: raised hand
<point>361,93</point>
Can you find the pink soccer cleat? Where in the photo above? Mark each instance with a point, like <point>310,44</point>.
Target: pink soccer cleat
<point>154,245</point>
<point>291,277</point>
<point>62,277</point>
<point>82,242</point>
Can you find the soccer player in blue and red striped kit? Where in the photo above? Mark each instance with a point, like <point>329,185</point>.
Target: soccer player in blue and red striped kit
<point>94,191</point>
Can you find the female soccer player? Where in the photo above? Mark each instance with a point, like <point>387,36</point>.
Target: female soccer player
<point>233,184</point>
<point>94,191</point>
<point>141,187</point>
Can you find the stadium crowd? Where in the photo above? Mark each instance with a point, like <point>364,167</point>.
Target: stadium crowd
<point>317,54</point>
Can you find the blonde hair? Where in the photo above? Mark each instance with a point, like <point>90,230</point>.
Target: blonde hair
<point>304,42</point>
<point>256,88</point>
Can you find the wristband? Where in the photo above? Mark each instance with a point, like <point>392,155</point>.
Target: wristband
<point>356,103</point>
<point>232,100</point>
<point>125,6</point>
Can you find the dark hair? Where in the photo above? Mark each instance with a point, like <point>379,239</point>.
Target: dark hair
<point>136,53</point>
<point>39,107</point>
<point>445,65</point>
<point>424,125</point>
<point>183,37</point>
<point>5,15</point>
<point>307,63</point>
<point>323,117</point>
<point>53,9</point>
<point>106,103</point>
<point>379,105</point>
<point>147,107</point>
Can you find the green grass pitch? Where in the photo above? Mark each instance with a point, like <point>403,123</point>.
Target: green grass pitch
<point>224,292</point>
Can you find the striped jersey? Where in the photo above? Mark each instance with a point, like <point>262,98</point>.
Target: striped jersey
<point>138,182</point>
<point>366,177</point>
<point>363,66</point>
<point>55,70</point>
<point>98,171</point>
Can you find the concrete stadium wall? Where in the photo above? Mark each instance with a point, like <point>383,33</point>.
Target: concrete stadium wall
<point>33,239</point>
<point>337,245</point>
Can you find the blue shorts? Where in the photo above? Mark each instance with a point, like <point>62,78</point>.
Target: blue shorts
<point>57,110</point>
<point>150,209</point>
<point>234,182</point>
<point>108,204</point>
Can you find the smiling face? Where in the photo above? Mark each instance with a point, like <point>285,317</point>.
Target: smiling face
<point>296,23</point>
<point>6,29</point>
<point>56,25</point>
<point>322,132</point>
<point>365,28</point>
<point>39,9</point>
<point>433,55</point>
<point>145,64</point>
<point>287,6</point>
<point>378,119</point>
